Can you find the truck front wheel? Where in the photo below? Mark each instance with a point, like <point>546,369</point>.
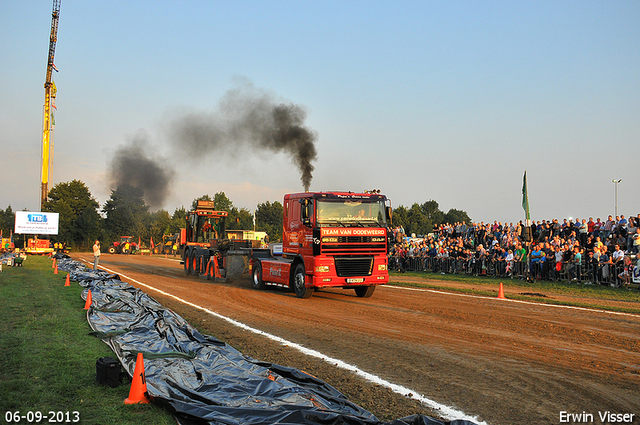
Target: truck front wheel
<point>299,287</point>
<point>364,291</point>
<point>256,276</point>
<point>112,250</point>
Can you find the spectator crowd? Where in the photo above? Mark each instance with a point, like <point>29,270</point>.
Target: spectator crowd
<point>586,251</point>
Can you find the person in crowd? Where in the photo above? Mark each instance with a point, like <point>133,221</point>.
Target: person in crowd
<point>618,255</point>
<point>509,259</point>
<point>537,258</point>
<point>583,232</point>
<point>636,242</point>
<point>632,230</point>
<point>597,243</point>
<point>592,267</point>
<point>520,257</point>
<point>618,259</point>
<point>590,225</point>
<point>608,227</point>
<point>606,265</point>
<point>626,273</point>
<point>622,224</point>
<point>576,264</point>
<point>597,226</point>
<point>549,260</point>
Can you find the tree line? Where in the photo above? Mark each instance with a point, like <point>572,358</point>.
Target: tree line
<point>125,213</point>
<point>421,219</point>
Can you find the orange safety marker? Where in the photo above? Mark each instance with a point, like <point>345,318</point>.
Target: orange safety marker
<point>55,270</point>
<point>53,264</point>
<point>138,392</point>
<point>501,292</point>
<point>68,281</point>
<point>88,303</point>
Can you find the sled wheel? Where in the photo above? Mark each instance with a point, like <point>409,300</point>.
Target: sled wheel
<point>195,265</point>
<point>186,262</point>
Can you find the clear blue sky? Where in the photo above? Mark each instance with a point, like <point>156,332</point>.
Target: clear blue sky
<point>448,100</point>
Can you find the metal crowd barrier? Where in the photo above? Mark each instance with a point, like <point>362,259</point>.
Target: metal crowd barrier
<point>606,274</point>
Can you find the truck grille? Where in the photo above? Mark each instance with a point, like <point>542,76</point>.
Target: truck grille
<point>355,245</point>
<point>354,266</point>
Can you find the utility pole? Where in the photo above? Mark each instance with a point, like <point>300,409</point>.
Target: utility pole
<point>615,183</point>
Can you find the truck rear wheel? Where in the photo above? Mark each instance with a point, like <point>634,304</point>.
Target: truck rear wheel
<point>364,291</point>
<point>256,276</point>
<point>299,287</point>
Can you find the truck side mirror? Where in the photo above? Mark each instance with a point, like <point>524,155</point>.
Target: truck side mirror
<point>305,211</point>
<point>389,213</point>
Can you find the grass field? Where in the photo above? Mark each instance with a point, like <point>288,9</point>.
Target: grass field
<point>47,358</point>
<point>559,292</point>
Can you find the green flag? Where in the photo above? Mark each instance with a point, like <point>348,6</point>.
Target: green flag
<point>525,197</point>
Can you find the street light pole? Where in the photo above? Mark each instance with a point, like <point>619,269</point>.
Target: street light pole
<point>615,183</point>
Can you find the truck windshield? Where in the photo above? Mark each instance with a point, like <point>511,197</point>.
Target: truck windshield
<point>350,213</point>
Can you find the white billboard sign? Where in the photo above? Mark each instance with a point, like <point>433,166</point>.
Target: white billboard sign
<point>36,223</point>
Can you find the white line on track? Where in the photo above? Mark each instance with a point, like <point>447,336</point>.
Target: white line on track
<point>448,413</point>
<point>570,307</point>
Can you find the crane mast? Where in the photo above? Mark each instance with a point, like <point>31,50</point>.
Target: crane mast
<point>49,92</point>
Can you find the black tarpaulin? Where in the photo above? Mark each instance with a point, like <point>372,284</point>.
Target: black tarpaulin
<point>203,379</point>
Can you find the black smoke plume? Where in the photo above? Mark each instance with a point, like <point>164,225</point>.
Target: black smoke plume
<point>133,165</point>
<point>248,119</point>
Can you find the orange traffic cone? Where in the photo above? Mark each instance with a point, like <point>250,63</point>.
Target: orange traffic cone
<point>55,271</point>
<point>501,292</point>
<point>53,264</point>
<point>87,304</point>
<point>138,392</point>
<point>68,281</point>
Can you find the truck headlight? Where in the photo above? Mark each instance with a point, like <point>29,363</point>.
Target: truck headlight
<point>382,267</point>
<point>322,269</point>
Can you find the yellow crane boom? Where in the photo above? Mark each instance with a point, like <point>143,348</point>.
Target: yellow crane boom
<point>49,92</point>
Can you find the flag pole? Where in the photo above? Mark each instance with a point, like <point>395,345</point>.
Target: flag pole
<point>525,199</point>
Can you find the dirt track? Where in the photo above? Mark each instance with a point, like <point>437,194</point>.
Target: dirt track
<point>503,362</point>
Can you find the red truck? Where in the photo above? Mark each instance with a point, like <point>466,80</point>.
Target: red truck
<point>330,239</point>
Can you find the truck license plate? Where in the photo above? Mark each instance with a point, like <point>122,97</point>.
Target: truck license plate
<point>358,280</point>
